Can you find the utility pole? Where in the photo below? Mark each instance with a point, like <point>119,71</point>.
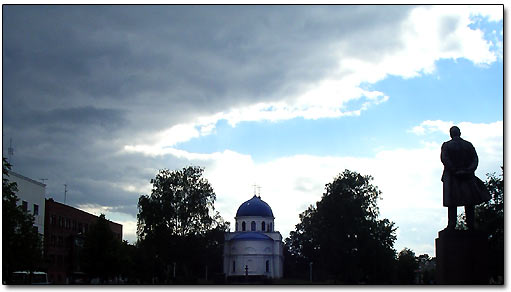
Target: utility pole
<point>10,151</point>
<point>65,193</point>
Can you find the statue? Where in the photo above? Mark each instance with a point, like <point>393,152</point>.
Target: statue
<point>460,185</point>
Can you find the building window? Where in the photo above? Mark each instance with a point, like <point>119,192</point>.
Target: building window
<point>263,226</point>
<point>24,205</point>
<point>253,226</point>
<point>52,219</point>
<point>74,225</point>
<point>61,223</point>
<point>243,226</point>
<point>233,266</point>
<point>36,209</point>
<point>60,242</point>
<point>267,266</point>
<point>270,228</point>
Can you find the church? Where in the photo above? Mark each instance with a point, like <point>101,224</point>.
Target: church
<point>254,249</point>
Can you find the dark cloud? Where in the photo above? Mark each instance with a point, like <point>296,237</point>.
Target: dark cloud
<point>80,82</point>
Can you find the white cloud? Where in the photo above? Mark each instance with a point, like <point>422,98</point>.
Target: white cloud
<point>94,209</point>
<point>408,178</point>
<point>493,12</point>
<point>486,138</point>
<point>428,34</point>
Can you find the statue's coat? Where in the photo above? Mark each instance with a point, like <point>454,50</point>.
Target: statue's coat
<point>461,187</point>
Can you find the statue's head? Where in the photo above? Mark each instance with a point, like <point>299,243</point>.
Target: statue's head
<point>455,132</point>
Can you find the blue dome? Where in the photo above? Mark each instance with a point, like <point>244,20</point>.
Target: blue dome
<point>254,207</point>
<point>251,236</point>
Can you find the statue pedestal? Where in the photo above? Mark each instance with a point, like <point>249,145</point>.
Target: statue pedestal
<point>461,257</point>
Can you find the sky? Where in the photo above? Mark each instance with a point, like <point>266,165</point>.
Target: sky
<point>284,97</point>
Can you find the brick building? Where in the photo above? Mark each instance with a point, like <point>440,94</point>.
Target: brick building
<point>64,232</point>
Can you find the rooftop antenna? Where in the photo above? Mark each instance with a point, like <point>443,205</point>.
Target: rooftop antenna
<point>43,179</point>
<point>65,192</point>
<point>10,151</point>
<point>259,191</point>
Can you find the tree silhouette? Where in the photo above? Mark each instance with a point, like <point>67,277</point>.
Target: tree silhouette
<point>178,227</point>
<point>343,236</point>
<point>407,264</point>
<point>100,256</point>
<point>21,242</point>
<point>489,218</point>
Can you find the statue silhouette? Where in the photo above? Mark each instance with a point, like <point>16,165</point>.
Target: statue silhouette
<point>460,185</point>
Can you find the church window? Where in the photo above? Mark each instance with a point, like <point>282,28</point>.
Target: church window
<point>253,226</point>
<point>243,226</point>
<point>263,226</point>
<point>270,228</point>
<point>267,266</point>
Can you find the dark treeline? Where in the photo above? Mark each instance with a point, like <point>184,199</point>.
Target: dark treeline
<point>343,240</point>
<point>339,240</point>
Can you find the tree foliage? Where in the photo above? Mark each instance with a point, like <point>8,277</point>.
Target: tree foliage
<point>179,203</point>
<point>343,236</point>
<point>489,218</point>
<point>177,225</point>
<point>101,254</point>
<point>407,264</point>
<point>21,242</point>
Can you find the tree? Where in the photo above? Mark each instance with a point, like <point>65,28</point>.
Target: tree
<point>489,218</point>
<point>407,264</point>
<point>426,269</point>
<point>21,242</point>
<point>101,251</point>
<point>343,236</point>
<point>178,226</point>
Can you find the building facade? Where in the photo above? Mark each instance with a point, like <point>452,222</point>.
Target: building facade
<point>31,196</point>
<point>254,248</point>
<point>64,237</point>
